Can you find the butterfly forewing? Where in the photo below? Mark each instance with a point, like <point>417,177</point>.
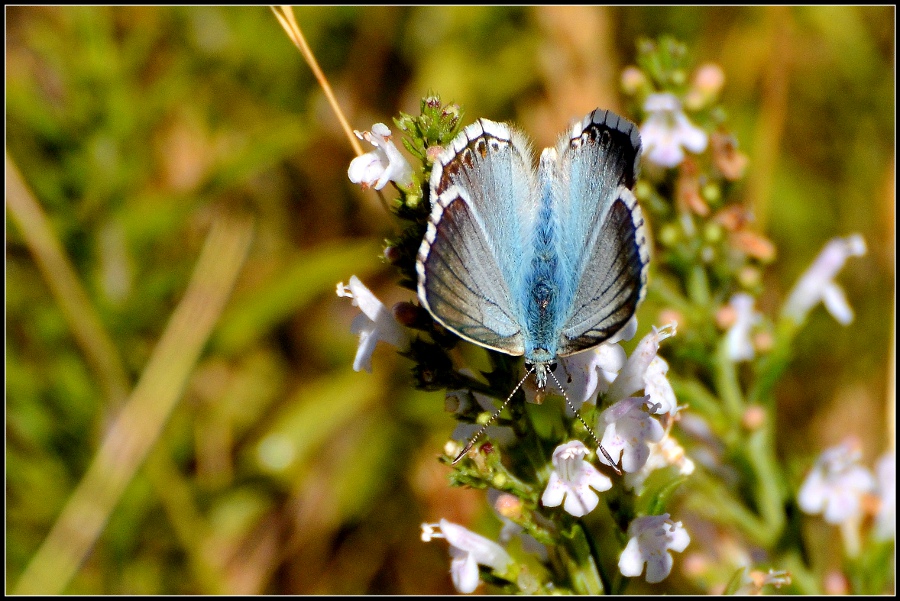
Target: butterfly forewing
<point>470,263</point>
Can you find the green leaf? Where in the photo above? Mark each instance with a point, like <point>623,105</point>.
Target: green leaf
<point>316,413</point>
<point>658,490</point>
<point>734,584</point>
<point>308,276</point>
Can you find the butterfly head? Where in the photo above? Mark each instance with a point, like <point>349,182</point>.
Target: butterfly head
<point>543,363</point>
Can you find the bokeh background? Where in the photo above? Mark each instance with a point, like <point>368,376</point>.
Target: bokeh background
<point>168,152</point>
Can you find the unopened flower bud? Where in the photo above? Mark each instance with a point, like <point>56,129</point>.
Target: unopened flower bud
<point>754,418</point>
<point>509,506</point>
<point>754,245</point>
<point>451,110</point>
<point>711,193</point>
<point>671,315</point>
<point>763,341</point>
<point>726,316</point>
<point>712,232</point>
<point>709,79</point>
<point>633,80</point>
<point>452,449</point>
<point>407,314</point>
<point>749,277</point>
<point>836,583</point>
<point>392,254</point>
<point>669,234</point>
<point>433,152</point>
<point>727,158</point>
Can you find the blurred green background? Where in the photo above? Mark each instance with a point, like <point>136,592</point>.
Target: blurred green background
<point>279,469</point>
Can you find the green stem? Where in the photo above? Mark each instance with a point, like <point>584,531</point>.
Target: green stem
<point>803,581</point>
<point>772,366</point>
<point>768,479</point>
<point>727,384</point>
<point>720,506</point>
<point>758,448</point>
<point>580,563</point>
<point>188,523</point>
<point>698,286</point>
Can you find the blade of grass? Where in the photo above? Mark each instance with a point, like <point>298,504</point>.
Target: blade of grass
<point>94,340</point>
<point>139,424</point>
<point>289,23</point>
<point>60,275</point>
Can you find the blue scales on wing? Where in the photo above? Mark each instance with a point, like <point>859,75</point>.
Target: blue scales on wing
<point>602,247</point>
<point>483,194</point>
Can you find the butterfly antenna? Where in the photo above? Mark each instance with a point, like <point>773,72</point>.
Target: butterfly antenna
<point>587,427</point>
<point>481,430</point>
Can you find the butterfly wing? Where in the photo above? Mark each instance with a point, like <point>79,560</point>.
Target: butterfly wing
<point>602,246</point>
<point>470,262</point>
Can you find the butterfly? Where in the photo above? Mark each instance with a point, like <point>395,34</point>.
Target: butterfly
<point>542,263</point>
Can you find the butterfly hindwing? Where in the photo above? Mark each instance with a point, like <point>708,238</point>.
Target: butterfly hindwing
<point>469,264</point>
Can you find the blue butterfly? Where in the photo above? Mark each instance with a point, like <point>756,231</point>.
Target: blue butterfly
<point>542,263</point>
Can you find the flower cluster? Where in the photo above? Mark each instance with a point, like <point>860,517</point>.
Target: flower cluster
<point>604,377</point>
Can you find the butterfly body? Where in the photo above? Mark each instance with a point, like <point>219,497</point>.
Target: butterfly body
<point>542,263</point>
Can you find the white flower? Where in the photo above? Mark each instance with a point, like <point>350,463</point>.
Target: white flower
<point>667,452</point>
<point>572,479</point>
<point>836,484</point>
<point>373,324</point>
<point>667,130</point>
<point>634,374</point>
<point>737,338</point>
<point>375,169</point>
<point>657,387</point>
<point>652,537</point>
<point>886,481</point>
<point>468,550</point>
<point>629,431</point>
<point>817,283</point>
